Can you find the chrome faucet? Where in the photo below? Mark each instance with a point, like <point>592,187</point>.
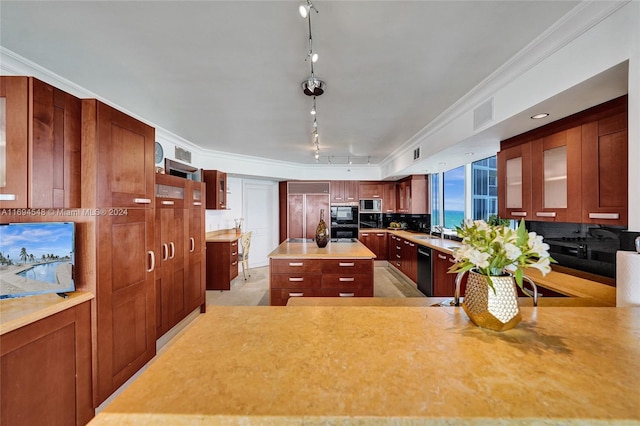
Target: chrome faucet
<point>456,293</point>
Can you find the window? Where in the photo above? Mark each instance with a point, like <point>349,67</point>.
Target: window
<point>469,191</point>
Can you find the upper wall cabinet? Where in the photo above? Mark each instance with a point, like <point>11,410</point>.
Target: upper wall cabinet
<point>40,166</point>
<point>344,191</point>
<point>123,155</point>
<point>412,195</point>
<point>573,170</point>
<point>216,187</point>
<point>371,190</point>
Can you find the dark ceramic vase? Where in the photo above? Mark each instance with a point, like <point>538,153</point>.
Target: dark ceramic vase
<point>322,238</point>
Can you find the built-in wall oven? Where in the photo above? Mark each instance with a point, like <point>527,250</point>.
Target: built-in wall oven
<point>344,222</point>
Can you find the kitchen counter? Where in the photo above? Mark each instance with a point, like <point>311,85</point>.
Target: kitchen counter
<point>431,301</point>
<point>341,250</point>
<point>569,285</point>
<point>20,311</point>
<point>375,365</point>
<point>222,236</point>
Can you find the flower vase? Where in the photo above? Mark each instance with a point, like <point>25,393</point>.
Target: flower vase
<point>495,310</point>
<point>321,232</point>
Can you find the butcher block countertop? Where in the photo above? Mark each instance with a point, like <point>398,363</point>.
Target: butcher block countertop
<point>378,365</point>
<point>222,236</point>
<point>342,250</point>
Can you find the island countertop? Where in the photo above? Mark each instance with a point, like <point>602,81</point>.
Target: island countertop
<point>379,365</point>
<point>341,250</point>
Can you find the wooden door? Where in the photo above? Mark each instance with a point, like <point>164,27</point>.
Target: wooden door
<point>605,180</point>
<point>556,177</point>
<point>296,216</point>
<point>389,197</point>
<point>14,105</point>
<point>336,187</point>
<point>514,182</point>
<point>125,299</point>
<point>124,163</point>
<point>194,290</point>
<point>351,191</point>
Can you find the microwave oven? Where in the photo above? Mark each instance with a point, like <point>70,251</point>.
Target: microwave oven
<point>371,206</point>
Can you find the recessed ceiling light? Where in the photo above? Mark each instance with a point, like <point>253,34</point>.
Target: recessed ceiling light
<point>539,116</point>
<point>469,153</point>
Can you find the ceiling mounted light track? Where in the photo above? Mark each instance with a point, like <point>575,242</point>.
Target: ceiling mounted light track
<point>313,87</point>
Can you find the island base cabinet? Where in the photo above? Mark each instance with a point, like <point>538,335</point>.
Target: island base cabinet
<point>46,371</point>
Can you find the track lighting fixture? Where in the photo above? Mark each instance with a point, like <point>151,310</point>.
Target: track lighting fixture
<point>305,9</point>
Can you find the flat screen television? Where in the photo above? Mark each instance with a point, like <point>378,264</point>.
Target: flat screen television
<point>36,258</point>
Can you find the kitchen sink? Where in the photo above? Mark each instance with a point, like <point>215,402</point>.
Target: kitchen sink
<point>425,237</point>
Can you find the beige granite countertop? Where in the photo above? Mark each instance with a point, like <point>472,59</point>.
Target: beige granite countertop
<point>222,236</point>
<point>566,284</point>
<point>355,250</point>
<point>376,365</point>
<point>20,311</point>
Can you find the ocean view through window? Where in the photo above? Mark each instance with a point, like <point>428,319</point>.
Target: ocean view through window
<point>453,197</point>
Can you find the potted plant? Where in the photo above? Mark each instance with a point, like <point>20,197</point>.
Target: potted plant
<point>494,256</point>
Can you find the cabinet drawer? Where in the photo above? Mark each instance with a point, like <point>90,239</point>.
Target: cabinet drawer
<point>337,292</point>
<point>295,281</point>
<point>346,281</point>
<point>288,266</point>
<point>347,266</point>
<point>279,297</point>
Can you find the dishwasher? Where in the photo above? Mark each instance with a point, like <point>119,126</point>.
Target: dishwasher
<point>425,271</point>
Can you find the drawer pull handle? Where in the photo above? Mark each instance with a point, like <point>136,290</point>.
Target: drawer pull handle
<point>398,248</point>
<point>142,200</point>
<point>234,253</point>
<point>234,263</point>
<point>347,264</point>
<point>167,203</point>
<point>346,279</point>
<point>197,203</point>
<point>442,256</point>
<point>7,197</point>
<point>523,214</point>
<point>296,263</point>
<point>296,279</point>
<point>365,235</point>
<point>152,256</point>
<point>296,294</point>
<point>234,244</point>
<point>452,260</point>
<point>604,216</point>
<point>406,242</point>
<point>546,214</point>
<point>347,294</point>
<point>379,235</point>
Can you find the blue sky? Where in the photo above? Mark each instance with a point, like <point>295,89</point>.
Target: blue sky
<point>454,189</point>
<point>38,238</point>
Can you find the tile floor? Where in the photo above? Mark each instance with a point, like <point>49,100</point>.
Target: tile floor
<point>255,290</point>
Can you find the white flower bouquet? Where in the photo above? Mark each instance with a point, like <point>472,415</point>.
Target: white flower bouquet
<point>494,250</point>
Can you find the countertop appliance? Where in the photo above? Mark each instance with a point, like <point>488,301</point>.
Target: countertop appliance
<point>344,222</point>
<point>371,206</point>
<point>425,271</point>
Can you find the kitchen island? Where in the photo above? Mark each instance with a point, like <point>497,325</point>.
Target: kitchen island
<point>302,269</point>
<point>380,365</point>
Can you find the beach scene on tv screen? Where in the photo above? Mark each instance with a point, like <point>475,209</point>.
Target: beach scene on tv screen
<point>36,258</point>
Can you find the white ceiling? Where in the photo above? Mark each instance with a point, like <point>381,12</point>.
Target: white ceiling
<point>226,75</point>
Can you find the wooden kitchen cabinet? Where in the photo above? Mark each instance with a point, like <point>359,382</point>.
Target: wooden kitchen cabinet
<point>376,242</point>
<point>222,264</point>
<point>388,197</point>
<point>605,154</point>
<point>42,162</point>
<point>444,283</point>
<point>319,277</point>
<point>195,286</point>
<point>403,255</point>
<point>514,182</point>
<point>371,190</point>
<point>344,191</point>
<point>216,189</point>
<point>45,370</point>
<point>304,212</point>
<point>412,195</point>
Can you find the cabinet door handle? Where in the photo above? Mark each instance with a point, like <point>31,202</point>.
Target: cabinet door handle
<point>379,235</point>
<point>296,279</point>
<point>197,203</point>
<point>296,263</point>
<point>376,196</point>
<point>296,294</point>
<point>523,214</point>
<point>142,200</point>
<point>452,260</point>
<point>152,257</point>
<point>604,216</point>
<point>234,244</point>
<point>347,294</point>
<point>234,253</point>
<point>398,256</point>
<point>406,242</point>
<point>346,279</point>
<point>346,264</point>
<point>412,245</point>
<point>234,263</point>
<point>165,252</point>
<point>167,203</point>
<point>398,248</point>
<point>7,197</point>
<point>442,256</point>
<point>193,244</point>
<point>365,235</point>
<point>173,250</point>
<point>546,214</point>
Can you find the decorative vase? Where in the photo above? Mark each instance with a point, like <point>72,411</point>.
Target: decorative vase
<point>496,310</point>
<point>321,232</point>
